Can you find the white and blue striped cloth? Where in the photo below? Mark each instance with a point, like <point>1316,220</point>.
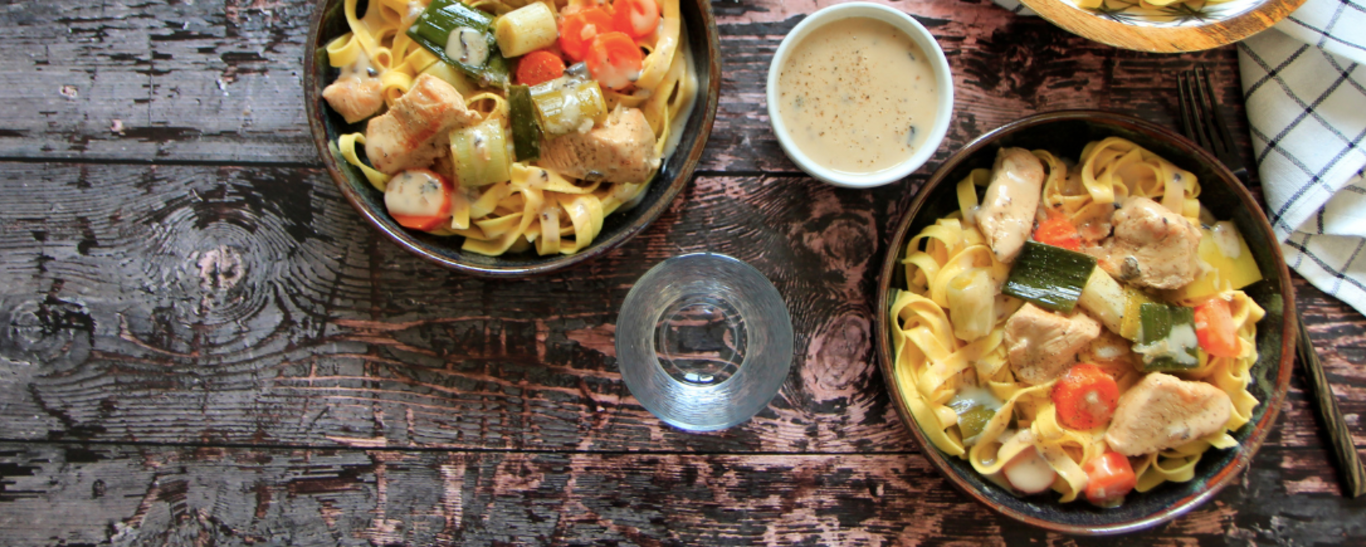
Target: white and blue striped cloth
<point>1305,85</point>
<point>1306,102</point>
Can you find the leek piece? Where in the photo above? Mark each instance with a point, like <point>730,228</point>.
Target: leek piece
<point>1115,305</point>
<point>973,422</point>
<point>567,104</point>
<point>1049,277</point>
<point>480,154</point>
<point>1166,338</point>
<point>1105,299</point>
<point>973,416</point>
<point>433,29</point>
<point>526,129</point>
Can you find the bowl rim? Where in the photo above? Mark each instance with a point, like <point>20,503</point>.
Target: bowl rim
<point>920,35</point>
<point>707,100</point>
<point>1223,476</point>
<point>1175,39</point>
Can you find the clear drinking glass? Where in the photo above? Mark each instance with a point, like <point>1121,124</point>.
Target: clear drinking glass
<point>704,341</point>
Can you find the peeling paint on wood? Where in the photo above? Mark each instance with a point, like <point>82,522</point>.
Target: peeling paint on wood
<point>351,497</point>
<point>204,344</point>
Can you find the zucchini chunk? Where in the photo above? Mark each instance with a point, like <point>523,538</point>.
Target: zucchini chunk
<point>480,154</point>
<point>1166,338</point>
<point>476,51</point>
<point>1050,277</point>
<point>568,104</point>
<point>526,129</point>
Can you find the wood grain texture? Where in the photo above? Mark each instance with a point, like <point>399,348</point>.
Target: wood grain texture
<point>166,80</point>
<point>234,496</point>
<point>202,342</point>
<point>241,324</point>
<point>260,310</point>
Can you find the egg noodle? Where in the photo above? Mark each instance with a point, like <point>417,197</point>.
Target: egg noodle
<point>932,365</point>
<point>556,214</point>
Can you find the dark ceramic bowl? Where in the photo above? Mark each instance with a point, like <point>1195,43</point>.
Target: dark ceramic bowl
<point>328,22</point>
<point>1065,133</point>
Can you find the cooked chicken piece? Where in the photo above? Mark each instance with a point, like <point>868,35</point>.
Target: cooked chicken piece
<point>1152,246</point>
<point>356,93</point>
<point>1007,213</point>
<point>414,131</point>
<point>1042,344</point>
<point>1164,411</point>
<point>621,150</point>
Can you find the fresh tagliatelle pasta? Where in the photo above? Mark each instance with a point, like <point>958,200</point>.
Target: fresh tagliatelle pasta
<point>517,125</point>
<point>1089,339</point>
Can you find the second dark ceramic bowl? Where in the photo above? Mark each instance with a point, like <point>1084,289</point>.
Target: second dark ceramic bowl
<point>1065,133</point>
<point>328,22</point>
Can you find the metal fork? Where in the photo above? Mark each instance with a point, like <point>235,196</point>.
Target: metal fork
<point>1202,122</point>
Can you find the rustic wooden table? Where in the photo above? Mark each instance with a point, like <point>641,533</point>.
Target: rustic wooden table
<point>204,344</point>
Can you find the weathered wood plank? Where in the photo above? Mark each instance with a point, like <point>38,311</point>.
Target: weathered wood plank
<point>140,495</point>
<point>251,305</point>
<point>221,82</point>
<point>158,79</point>
<point>248,305</point>
<point>204,304</point>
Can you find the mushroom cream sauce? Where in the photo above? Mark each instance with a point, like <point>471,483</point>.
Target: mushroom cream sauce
<point>857,95</point>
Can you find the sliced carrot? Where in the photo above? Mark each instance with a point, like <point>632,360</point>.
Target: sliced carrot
<point>1109,478</point>
<point>614,60</point>
<point>578,29</point>
<point>1085,397</point>
<point>1214,328</point>
<point>539,66</point>
<point>1058,232</point>
<point>636,18</point>
<point>421,223</point>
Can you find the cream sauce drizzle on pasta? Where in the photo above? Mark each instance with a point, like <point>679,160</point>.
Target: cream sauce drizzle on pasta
<point>560,216</point>
<point>932,365</point>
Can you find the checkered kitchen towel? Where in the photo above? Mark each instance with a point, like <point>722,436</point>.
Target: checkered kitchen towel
<point>1306,101</point>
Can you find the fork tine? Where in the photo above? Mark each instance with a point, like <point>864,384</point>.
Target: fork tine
<point>1226,150</point>
<point>1211,116</point>
<point>1187,117</point>
<point>1194,109</point>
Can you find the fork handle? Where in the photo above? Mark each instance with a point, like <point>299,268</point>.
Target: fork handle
<point>1349,463</point>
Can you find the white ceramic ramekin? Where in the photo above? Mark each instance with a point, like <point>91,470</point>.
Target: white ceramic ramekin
<point>927,44</point>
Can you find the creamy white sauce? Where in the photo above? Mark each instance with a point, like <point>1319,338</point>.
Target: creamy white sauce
<point>414,193</point>
<point>360,69</point>
<point>468,46</point>
<point>1176,345</point>
<point>1226,237</point>
<point>415,10</point>
<point>1029,473</point>
<point>973,396</point>
<point>857,95</point>
<point>1109,351</point>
